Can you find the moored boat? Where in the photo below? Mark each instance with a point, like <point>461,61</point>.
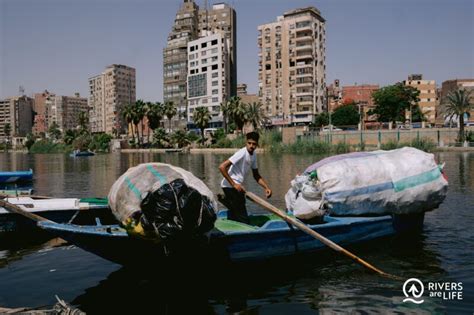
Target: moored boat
<point>77,153</point>
<point>60,210</point>
<point>16,176</point>
<point>266,237</point>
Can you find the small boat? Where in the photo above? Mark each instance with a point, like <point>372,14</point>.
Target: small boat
<point>266,237</point>
<point>173,150</point>
<point>78,153</point>
<point>61,210</point>
<point>16,176</point>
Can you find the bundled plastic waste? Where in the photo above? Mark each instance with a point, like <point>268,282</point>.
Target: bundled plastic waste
<point>163,202</point>
<point>399,181</point>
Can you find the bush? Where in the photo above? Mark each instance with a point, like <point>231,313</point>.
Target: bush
<point>47,146</point>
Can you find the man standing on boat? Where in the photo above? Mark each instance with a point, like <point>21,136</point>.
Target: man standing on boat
<point>234,171</point>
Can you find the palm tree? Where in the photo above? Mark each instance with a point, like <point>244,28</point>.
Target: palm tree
<point>154,115</point>
<point>180,138</point>
<point>54,131</point>
<point>127,114</point>
<point>69,136</point>
<point>201,117</point>
<point>226,107</point>
<point>7,129</point>
<point>255,114</point>
<point>238,112</point>
<point>458,103</point>
<point>170,111</point>
<point>83,122</point>
<point>139,113</point>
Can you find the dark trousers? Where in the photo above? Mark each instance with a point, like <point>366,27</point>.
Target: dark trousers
<point>235,201</point>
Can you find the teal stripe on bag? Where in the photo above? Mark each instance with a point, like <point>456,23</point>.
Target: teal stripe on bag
<point>417,180</point>
<point>160,177</point>
<point>132,187</point>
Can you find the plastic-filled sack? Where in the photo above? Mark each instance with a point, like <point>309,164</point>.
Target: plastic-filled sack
<point>163,202</point>
<point>304,198</point>
<point>399,181</point>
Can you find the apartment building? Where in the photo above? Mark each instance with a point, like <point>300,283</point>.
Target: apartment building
<point>41,123</point>
<point>65,110</point>
<point>428,97</point>
<point>18,112</point>
<point>109,93</point>
<point>245,97</point>
<point>190,23</point>
<point>292,66</point>
<point>208,77</point>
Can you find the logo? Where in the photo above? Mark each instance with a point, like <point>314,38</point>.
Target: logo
<point>413,288</point>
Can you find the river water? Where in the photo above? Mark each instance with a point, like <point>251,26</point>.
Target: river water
<point>32,272</point>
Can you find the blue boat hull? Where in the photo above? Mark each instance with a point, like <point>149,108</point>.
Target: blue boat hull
<point>16,177</point>
<point>274,239</point>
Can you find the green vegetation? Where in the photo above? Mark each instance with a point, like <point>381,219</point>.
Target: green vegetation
<point>423,144</point>
<point>48,146</point>
<point>458,103</point>
<point>345,115</point>
<point>392,101</point>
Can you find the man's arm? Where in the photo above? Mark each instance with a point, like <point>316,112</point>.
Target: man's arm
<point>224,168</point>
<point>259,179</point>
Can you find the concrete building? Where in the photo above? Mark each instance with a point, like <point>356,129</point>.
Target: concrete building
<point>208,77</point>
<point>18,112</point>
<point>191,23</point>
<point>41,123</point>
<point>244,96</point>
<point>292,66</point>
<point>64,110</point>
<point>362,96</point>
<point>449,86</point>
<point>428,99</point>
<point>109,93</point>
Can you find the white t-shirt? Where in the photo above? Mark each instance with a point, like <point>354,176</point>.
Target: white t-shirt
<point>242,161</point>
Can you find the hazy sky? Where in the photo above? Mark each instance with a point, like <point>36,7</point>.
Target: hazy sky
<point>58,44</point>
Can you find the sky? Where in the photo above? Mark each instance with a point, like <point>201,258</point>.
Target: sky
<point>59,44</point>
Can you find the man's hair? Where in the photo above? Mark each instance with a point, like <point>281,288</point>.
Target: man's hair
<point>253,135</point>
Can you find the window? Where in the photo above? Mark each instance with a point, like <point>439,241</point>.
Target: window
<point>214,51</point>
<point>203,53</point>
<point>215,83</point>
<point>215,100</point>
<point>215,91</point>
<point>204,61</point>
<point>268,67</point>
<point>214,42</point>
<point>214,67</point>
<point>215,74</point>
<point>203,45</point>
<point>192,48</point>
<point>203,69</point>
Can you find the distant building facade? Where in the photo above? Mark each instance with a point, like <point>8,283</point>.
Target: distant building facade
<point>41,124</point>
<point>18,112</point>
<point>428,98</point>
<point>208,76</point>
<point>109,93</point>
<point>292,66</point>
<point>190,24</point>
<point>65,110</point>
<point>244,96</point>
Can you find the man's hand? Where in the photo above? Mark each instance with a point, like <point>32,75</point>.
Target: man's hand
<point>239,188</point>
<point>268,192</point>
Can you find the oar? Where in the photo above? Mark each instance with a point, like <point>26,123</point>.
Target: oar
<point>15,209</point>
<point>316,235</point>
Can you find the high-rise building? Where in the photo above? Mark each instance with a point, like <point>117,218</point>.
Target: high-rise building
<point>190,24</point>
<point>109,93</point>
<point>18,112</point>
<point>428,99</point>
<point>64,110</point>
<point>292,66</point>
<point>41,123</point>
<point>208,77</point>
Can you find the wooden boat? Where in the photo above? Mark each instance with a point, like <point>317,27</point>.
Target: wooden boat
<point>175,150</point>
<point>266,237</point>
<point>81,153</point>
<point>16,176</point>
<point>60,210</point>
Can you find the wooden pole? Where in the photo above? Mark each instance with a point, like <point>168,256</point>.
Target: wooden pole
<point>15,209</point>
<point>316,235</point>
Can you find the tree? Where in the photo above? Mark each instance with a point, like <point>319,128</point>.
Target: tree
<point>30,140</point>
<point>54,131</point>
<point>416,114</point>
<point>238,112</point>
<point>225,108</point>
<point>160,139</point>
<point>170,111</point>
<point>201,117</point>
<point>138,115</point>
<point>154,115</point>
<point>180,138</point>
<point>345,115</point>
<point>458,103</point>
<point>392,101</point>
<point>83,123</point>
<point>7,129</point>
<point>255,114</point>
<point>70,136</point>
<point>321,119</point>
<point>127,115</point>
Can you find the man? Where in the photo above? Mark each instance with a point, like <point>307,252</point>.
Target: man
<point>234,171</point>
